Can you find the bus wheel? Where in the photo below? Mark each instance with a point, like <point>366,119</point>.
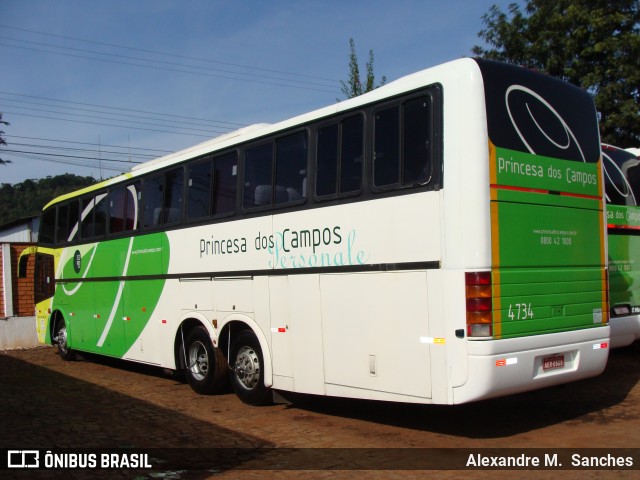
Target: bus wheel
<point>60,339</point>
<point>206,367</point>
<point>247,372</point>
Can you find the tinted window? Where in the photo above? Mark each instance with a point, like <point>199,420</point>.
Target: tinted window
<point>163,198</point>
<point>173,196</point>
<point>402,144</point>
<point>386,152</point>
<point>131,213</point>
<point>93,222</point>
<point>100,217</point>
<point>225,183</point>
<point>123,203</point>
<point>327,161</point>
<point>258,175</point>
<point>416,140</point>
<point>153,188</point>
<point>351,155</point>
<point>291,168</point>
<point>199,191</point>
<point>117,209</point>
<point>47,227</point>
<point>74,211</point>
<point>536,113</point>
<point>62,224</point>
<point>340,157</point>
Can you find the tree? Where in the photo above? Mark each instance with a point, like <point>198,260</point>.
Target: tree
<point>28,197</point>
<point>354,87</point>
<point>594,44</point>
<point>2,140</point>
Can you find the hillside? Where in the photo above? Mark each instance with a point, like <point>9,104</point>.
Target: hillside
<point>27,198</point>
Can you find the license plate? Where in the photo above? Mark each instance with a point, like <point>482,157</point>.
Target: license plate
<point>551,363</point>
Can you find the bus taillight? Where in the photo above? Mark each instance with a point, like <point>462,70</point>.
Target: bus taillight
<point>479,304</point>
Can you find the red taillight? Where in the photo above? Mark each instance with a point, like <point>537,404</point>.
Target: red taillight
<point>477,278</point>
<point>479,304</point>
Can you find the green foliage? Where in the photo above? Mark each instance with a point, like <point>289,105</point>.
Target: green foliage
<point>27,198</point>
<point>594,44</point>
<point>354,86</point>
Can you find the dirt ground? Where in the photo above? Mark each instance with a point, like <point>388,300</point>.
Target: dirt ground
<point>96,403</point>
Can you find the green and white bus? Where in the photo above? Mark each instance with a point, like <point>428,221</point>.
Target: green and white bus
<point>438,240</point>
<point>622,188</point>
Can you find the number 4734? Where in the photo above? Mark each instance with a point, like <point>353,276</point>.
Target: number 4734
<point>520,311</point>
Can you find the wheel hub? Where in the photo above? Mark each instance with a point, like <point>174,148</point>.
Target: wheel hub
<point>198,360</point>
<point>247,367</point>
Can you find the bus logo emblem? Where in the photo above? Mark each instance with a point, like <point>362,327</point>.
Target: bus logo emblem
<point>77,261</point>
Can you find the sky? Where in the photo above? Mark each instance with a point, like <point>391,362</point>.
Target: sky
<point>95,87</point>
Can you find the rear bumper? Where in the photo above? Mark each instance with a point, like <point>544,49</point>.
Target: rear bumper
<point>624,330</point>
<point>505,367</point>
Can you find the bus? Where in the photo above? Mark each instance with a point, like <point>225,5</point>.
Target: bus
<point>622,189</point>
<point>440,239</point>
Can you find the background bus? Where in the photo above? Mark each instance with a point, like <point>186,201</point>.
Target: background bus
<point>622,181</point>
<point>437,240</point>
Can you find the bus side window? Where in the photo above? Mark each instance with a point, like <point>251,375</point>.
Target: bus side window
<point>386,153</point>
<point>131,211</point>
<point>117,199</point>
<point>258,176</point>
<point>199,190</point>
<point>100,218</point>
<point>86,221</point>
<point>72,228</point>
<point>62,224</point>
<point>351,154</point>
<point>153,188</point>
<point>47,227</point>
<point>291,168</point>
<point>163,198</point>
<point>327,161</point>
<point>123,207</point>
<point>416,151</point>
<point>225,184</point>
<point>339,157</point>
<point>173,197</point>
<point>402,144</point>
<point>93,222</point>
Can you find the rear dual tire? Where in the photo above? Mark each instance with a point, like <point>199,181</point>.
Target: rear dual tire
<point>205,366</point>
<point>247,370</point>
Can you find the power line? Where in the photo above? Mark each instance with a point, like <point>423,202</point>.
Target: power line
<point>100,159</point>
<point>166,120</point>
<point>135,122</point>
<point>107,124</point>
<point>198,72</point>
<point>88,143</point>
<point>79,163</point>
<point>69,149</point>
<point>155,52</point>
<point>161,62</point>
<point>124,109</point>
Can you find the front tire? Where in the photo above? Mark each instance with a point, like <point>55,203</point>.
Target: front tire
<point>247,370</point>
<point>60,339</point>
<point>206,367</point>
